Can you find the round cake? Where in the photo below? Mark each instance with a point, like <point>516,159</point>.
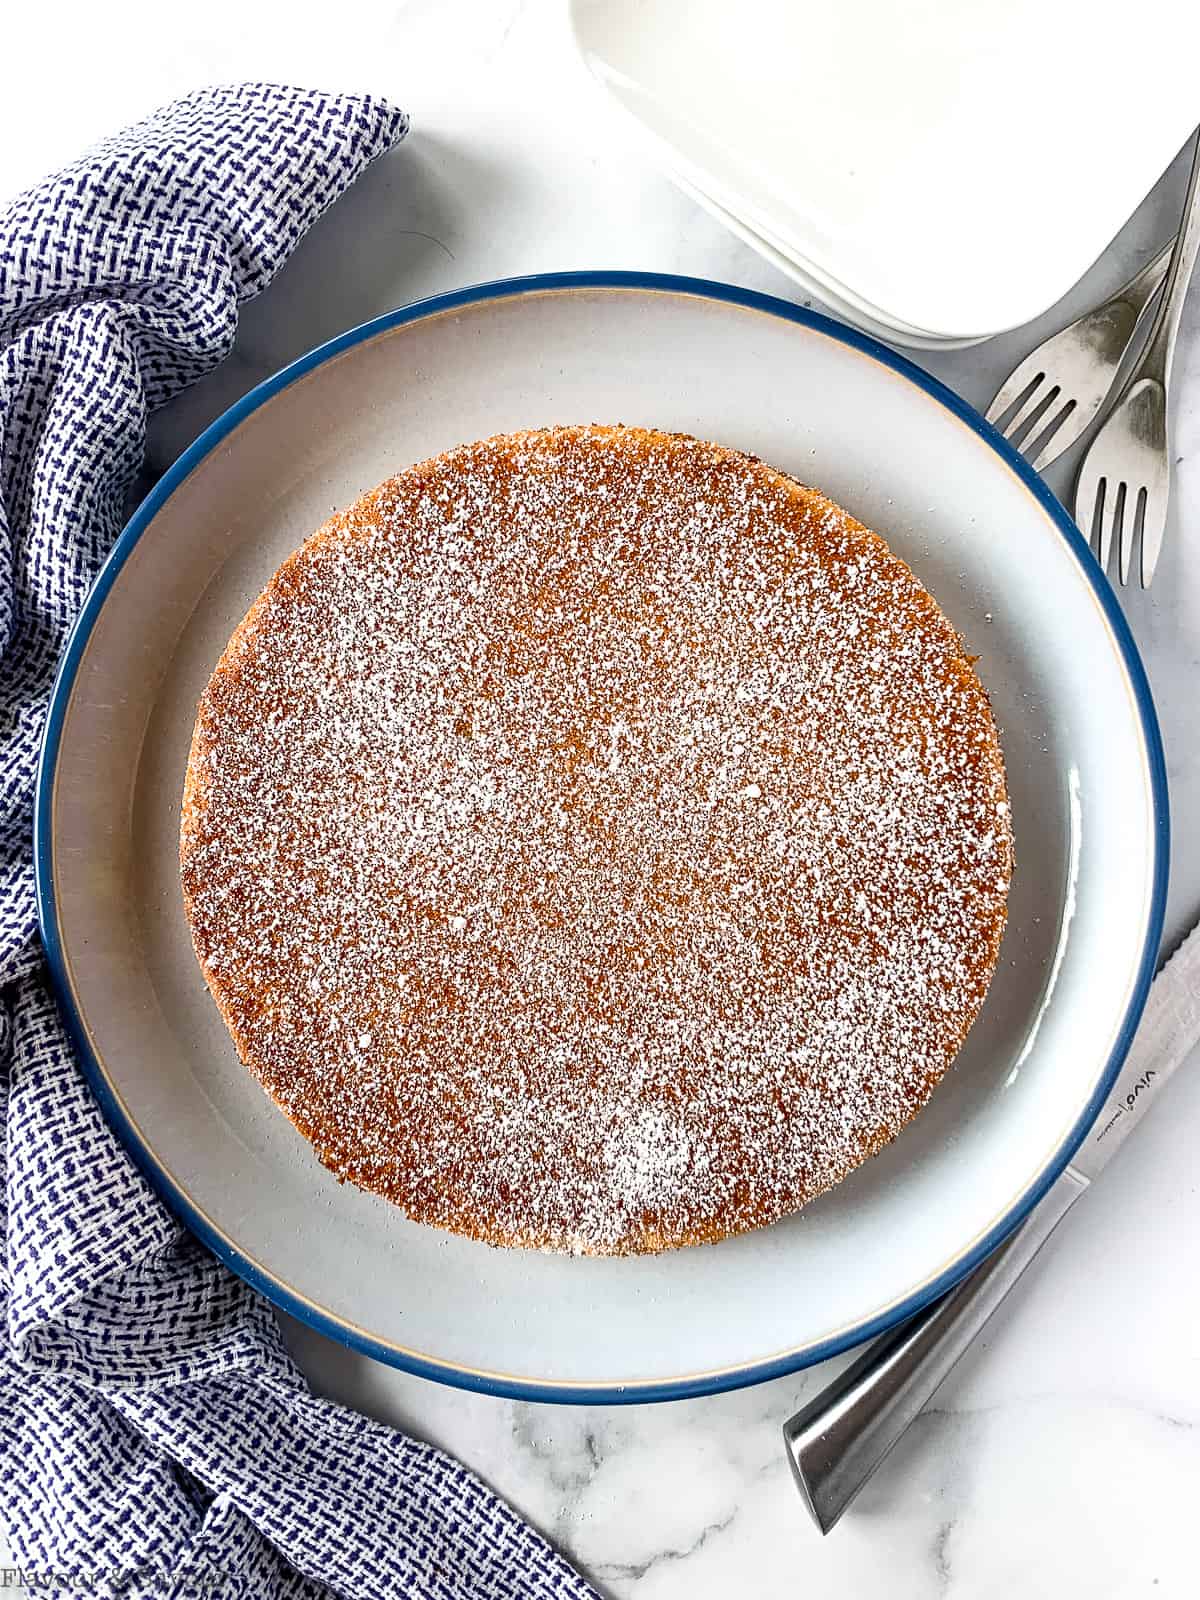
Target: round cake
<point>597,841</point>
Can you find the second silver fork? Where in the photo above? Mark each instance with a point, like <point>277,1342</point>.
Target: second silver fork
<point>1124,484</point>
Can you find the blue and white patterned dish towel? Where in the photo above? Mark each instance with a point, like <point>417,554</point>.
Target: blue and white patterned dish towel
<point>156,1438</point>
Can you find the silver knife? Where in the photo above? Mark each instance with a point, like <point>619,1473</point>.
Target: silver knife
<point>837,1440</point>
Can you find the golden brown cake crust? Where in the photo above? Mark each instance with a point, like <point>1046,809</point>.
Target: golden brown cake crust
<point>595,840</point>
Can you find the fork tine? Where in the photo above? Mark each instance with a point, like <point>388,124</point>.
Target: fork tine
<point>1154,526</point>
<point>1040,400</point>
<point>1057,438</point>
<point>1027,373</point>
<point>1089,516</point>
<point>1122,530</point>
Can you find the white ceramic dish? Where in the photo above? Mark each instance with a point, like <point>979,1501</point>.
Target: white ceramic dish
<point>832,296</point>
<point>984,534</point>
<point>909,161</point>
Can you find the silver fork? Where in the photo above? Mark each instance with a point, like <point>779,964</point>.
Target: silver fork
<point>1060,387</point>
<point>1124,483</point>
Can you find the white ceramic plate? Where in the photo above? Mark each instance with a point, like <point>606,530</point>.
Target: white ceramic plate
<point>902,454</point>
<point>948,168</point>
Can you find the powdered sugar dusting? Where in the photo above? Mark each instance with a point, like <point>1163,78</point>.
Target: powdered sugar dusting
<point>596,841</point>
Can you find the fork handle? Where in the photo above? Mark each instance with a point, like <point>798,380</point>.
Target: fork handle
<point>1144,285</point>
<point>1160,343</point>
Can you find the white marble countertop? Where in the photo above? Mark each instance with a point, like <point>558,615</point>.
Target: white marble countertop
<point>1063,1456</point>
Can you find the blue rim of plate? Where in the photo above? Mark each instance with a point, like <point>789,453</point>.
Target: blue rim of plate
<point>281,1294</point>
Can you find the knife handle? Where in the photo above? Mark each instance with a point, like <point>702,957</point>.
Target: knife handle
<point>836,1441</point>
